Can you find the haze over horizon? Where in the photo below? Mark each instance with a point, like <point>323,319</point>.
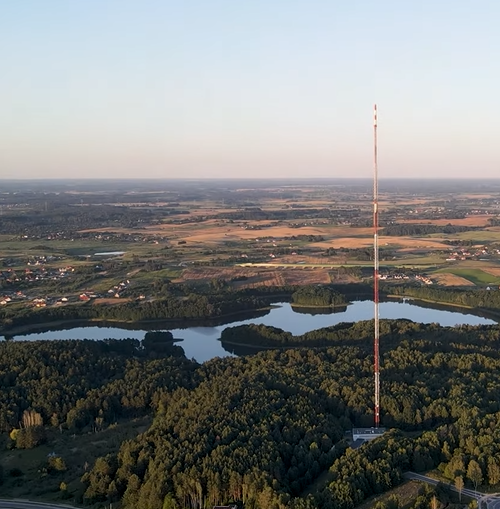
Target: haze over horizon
<point>220,89</point>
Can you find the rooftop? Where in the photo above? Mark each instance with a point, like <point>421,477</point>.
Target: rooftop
<point>367,431</point>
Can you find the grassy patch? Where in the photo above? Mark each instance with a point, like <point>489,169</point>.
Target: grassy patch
<point>78,451</point>
<point>479,236</point>
<point>406,494</point>
<point>167,273</point>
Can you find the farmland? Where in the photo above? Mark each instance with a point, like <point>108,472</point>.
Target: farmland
<point>242,233</point>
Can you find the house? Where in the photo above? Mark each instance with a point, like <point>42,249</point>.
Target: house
<point>367,433</point>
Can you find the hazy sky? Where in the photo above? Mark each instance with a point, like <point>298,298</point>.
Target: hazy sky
<point>242,88</point>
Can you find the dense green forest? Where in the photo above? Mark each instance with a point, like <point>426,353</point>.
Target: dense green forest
<point>260,429</point>
<point>318,296</point>
<point>476,298</point>
<point>355,333</point>
<point>409,229</point>
<point>45,218</point>
<point>75,382</point>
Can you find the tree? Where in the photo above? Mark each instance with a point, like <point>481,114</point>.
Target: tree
<point>459,485</point>
<point>474,473</point>
<point>493,472</point>
<point>32,418</point>
<point>169,502</point>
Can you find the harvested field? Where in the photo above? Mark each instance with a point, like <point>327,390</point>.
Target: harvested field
<point>306,276</point>
<point>263,276</point>
<point>238,233</point>
<point>493,271</point>
<point>254,276</point>
<point>447,279</point>
<point>405,243</point>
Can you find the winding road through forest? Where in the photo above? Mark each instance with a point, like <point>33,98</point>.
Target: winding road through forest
<point>27,504</point>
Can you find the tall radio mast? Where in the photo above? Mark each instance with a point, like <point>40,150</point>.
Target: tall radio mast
<point>375,272</point>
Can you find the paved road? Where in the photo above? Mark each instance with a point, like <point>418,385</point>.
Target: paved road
<point>26,504</point>
<point>487,500</point>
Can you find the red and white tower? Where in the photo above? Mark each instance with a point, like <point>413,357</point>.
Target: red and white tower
<point>376,273</point>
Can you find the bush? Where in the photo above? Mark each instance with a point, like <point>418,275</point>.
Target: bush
<point>56,464</point>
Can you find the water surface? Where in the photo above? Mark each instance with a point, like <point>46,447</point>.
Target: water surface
<point>202,343</point>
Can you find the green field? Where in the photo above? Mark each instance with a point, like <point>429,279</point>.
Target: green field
<point>479,236</point>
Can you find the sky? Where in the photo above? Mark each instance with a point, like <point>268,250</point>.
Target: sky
<point>249,88</point>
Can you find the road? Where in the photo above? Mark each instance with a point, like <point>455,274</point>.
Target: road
<point>487,500</point>
<point>26,504</point>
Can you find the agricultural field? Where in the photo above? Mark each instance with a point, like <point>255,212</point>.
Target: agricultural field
<point>246,233</point>
<point>474,276</point>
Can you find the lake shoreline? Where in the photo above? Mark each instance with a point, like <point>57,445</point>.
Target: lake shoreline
<point>202,339</point>
<point>99,322</point>
<point>185,323</point>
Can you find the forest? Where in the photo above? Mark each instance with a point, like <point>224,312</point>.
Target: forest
<point>318,296</point>
<point>259,429</point>
<point>50,216</point>
<point>358,333</point>
<point>475,298</point>
<point>408,229</point>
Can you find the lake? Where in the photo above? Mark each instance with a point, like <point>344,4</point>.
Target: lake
<point>201,343</point>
